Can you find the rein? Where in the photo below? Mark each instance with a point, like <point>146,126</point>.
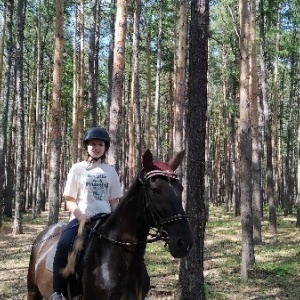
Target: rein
<point>156,238</point>
<point>158,221</point>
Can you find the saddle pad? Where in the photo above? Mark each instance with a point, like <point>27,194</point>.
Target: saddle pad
<point>87,236</point>
<point>50,258</point>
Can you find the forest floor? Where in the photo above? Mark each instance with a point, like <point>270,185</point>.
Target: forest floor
<point>275,275</point>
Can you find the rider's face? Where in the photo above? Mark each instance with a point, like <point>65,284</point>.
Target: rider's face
<point>96,148</point>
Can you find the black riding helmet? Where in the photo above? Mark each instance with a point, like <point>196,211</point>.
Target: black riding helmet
<point>98,134</point>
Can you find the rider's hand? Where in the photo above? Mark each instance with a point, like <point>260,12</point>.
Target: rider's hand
<point>80,216</point>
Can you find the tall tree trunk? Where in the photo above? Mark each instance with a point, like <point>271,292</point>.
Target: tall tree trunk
<point>93,65</point>
<point>117,83</point>
<point>245,146</point>
<point>3,29</point>
<point>81,82</point>
<point>287,201</point>
<point>191,271</point>
<point>180,77</point>
<point>268,124</point>
<point>149,87</point>
<point>297,202</point>
<point>157,88</point>
<point>20,135</point>
<point>30,143</point>
<point>275,143</point>
<point>180,81</point>
<point>255,130</point>
<point>36,170</point>
<point>110,60</point>
<point>133,151</point>
<point>170,114</point>
<point>4,107</point>
<point>74,148</point>
<point>55,135</point>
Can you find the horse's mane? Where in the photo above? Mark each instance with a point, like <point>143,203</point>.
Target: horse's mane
<point>132,190</point>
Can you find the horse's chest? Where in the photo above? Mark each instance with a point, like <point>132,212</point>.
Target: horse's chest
<point>111,269</point>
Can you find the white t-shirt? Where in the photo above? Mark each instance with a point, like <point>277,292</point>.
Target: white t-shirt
<point>93,185</point>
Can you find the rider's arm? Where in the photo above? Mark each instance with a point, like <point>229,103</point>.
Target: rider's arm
<point>73,208</point>
<point>114,203</point>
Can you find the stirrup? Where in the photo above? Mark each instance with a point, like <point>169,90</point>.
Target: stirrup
<point>56,296</point>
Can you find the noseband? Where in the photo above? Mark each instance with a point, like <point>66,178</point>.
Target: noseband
<point>156,218</point>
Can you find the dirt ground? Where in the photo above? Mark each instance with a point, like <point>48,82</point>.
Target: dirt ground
<point>275,276</point>
<point>14,259</point>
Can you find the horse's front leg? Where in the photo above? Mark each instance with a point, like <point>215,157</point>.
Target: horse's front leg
<point>34,295</point>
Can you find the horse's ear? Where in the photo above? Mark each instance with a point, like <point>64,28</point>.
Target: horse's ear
<point>176,161</point>
<point>147,161</point>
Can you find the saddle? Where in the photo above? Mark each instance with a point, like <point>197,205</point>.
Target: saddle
<point>79,255</point>
<point>87,239</point>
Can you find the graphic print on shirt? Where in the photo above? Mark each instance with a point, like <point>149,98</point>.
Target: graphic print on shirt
<point>97,186</point>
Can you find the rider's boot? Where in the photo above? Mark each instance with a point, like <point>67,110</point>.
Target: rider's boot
<point>56,296</point>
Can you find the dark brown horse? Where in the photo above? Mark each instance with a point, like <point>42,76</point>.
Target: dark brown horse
<point>115,267</point>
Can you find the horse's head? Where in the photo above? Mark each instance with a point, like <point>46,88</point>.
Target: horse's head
<point>163,202</point>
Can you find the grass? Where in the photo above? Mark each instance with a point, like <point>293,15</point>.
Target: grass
<point>275,274</point>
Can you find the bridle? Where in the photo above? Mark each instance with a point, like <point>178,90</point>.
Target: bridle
<point>156,219</point>
<point>148,205</point>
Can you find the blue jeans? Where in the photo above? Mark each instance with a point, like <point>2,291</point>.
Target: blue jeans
<point>61,256</point>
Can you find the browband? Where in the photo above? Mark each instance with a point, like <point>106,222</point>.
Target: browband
<point>153,173</point>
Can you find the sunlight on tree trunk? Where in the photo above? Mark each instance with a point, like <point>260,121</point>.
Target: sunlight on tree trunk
<point>117,83</point>
<point>255,129</point>
<point>245,146</point>
<point>20,132</point>
<point>55,134</point>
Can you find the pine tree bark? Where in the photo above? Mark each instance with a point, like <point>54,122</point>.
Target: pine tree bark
<point>255,130</point>
<point>3,29</point>
<point>180,77</point>
<point>157,88</point>
<point>149,87</point>
<point>55,134</point>
<point>245,146</point>
<point>93,65</point>
<point>268,123</point>
<point>134,143</point>
<point>117,83</point>
<point>191,270</point>
<point>4,107</point>
<point>287,201</point>
<point>110,60</point>
<point>20,134</point>
<point>297,201</point>
<point>74,148</point>
<point>274,132</point>
<point>81,82</point>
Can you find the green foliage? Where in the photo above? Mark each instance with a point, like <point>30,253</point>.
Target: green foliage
<point>275,273</point>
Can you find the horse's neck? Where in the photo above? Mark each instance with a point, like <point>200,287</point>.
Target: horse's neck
<point>126,220</point>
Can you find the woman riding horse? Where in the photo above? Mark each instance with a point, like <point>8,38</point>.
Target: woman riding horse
<point>114,268</point>
<point>92,187</point>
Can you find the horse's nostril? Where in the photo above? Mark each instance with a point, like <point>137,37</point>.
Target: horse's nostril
<point>181,244</point>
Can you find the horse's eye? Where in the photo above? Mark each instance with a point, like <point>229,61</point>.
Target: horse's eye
<point>155,191</point>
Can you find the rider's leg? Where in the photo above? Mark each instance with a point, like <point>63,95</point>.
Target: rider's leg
<point>61,256</point>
